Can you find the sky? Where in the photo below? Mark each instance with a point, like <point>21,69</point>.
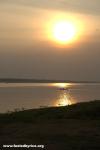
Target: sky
<point>28,48</point>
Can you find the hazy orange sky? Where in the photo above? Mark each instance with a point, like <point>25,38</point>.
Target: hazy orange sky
<point>28,48</point>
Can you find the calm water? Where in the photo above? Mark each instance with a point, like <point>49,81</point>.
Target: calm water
<point>34,95</point>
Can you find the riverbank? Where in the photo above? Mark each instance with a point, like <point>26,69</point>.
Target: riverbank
<point>67,128</point>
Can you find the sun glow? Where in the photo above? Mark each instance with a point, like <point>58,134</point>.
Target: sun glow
<point>64,32</point>
<point>64,29</point>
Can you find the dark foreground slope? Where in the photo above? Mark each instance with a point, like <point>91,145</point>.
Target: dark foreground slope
<point>75,127</point>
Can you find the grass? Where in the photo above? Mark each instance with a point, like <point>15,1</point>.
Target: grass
<point>86,110</point>
<point>58,128</point>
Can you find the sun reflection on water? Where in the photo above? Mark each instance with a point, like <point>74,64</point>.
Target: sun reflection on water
<point>64,99</point>
<point>62,85</point>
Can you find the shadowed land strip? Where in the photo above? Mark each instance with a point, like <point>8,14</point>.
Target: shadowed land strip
<point>67,128</point>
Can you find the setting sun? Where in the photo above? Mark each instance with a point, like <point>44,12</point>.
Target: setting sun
<point>64,31</point>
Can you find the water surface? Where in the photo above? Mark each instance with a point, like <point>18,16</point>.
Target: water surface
<point>33,95</point>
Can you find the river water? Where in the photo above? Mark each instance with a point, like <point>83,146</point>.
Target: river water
<point>17,96</point>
